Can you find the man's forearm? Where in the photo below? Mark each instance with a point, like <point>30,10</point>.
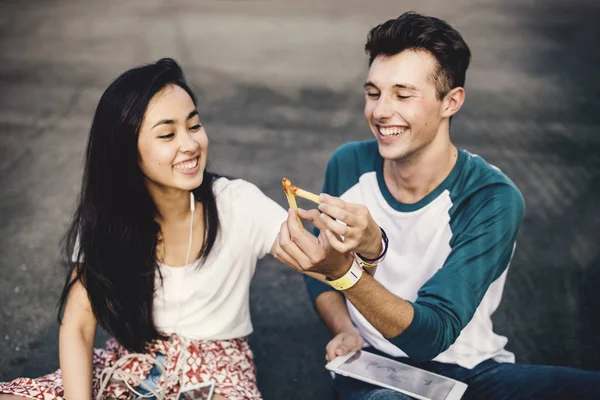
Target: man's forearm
<point>389,314</point>
<point>331,307</point>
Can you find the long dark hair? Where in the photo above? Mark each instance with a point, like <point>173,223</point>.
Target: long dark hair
<point>113,235</point>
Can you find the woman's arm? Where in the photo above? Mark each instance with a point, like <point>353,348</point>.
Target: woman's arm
<point>76,344</point>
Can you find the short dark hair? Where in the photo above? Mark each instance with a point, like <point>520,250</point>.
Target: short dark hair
<point>412,31</point>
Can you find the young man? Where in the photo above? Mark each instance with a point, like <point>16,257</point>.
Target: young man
<point>451,219</point>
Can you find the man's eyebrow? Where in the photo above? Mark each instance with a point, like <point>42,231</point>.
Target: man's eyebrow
<point>171,122</point>
<point>370,84</point>
<point>405,86</point>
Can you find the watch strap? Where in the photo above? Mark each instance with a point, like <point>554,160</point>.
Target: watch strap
<point>349,279</point>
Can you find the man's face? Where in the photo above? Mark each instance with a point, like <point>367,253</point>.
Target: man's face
<point>401,107</point>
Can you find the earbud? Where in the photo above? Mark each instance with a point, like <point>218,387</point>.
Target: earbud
<point>192,202</point>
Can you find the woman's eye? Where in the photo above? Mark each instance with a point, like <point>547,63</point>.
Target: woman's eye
<point>195,127</point>
<point>372,95</point>
<point>167,136</point>
<point>403,97</point>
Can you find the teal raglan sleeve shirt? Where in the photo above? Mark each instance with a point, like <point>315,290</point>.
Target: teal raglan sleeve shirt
<point>482,247</point>
<point>484,232</point>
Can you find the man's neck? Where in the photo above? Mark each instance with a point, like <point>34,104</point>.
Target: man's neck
<point>410,180</point>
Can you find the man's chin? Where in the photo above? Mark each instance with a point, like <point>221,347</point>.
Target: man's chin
<point>391,153</point>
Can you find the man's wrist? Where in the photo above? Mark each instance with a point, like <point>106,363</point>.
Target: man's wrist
<point>375,249</point>
<point>372,261</point>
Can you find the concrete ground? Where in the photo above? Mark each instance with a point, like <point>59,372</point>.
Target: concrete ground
<point>280,88</point>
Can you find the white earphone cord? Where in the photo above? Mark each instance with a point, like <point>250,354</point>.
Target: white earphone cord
<point>116,375</point>
<point>192,208</point>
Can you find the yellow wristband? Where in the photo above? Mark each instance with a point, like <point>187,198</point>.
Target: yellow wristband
<point>349,279</point>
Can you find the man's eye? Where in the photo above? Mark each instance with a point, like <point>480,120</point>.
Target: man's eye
<point>373,95</point>
<point>167,136</point>
<point>195,127</point>
<point>403,97</point>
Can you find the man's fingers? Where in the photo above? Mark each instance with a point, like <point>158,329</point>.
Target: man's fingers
<point>341,350</point>
<point>340,214</point>
<point>331,348</point>
<point>335,242</point>
<point>351,342</point>
<point>334,225</point>
<point>336,201</point>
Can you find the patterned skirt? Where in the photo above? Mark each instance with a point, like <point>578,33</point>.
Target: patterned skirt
<point>169,366</point>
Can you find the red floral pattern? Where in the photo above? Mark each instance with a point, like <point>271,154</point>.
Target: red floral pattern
<point>228,363</point>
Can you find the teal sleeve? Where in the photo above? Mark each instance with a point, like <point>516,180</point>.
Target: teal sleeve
<point>484,234</point>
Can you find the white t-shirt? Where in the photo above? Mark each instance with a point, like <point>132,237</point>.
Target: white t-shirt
<point>210,300</point>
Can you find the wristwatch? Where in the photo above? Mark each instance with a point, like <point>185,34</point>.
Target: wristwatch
<point>349,279</point>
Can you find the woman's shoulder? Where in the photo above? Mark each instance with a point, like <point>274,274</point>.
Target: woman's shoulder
<point>224,186</point>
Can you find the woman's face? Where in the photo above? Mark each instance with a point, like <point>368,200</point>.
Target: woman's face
<point>172,142</point>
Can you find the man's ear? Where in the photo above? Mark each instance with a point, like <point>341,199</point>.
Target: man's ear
<point>453,101</point>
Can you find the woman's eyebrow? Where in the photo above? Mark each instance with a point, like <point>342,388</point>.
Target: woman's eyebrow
<point>172,121</point>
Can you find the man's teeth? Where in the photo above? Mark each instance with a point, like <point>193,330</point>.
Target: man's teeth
<point>391,131</point>
<point>186,165</point>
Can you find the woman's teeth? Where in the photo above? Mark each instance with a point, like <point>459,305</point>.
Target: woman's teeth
<point>186,165</point>
<point>391,131</point>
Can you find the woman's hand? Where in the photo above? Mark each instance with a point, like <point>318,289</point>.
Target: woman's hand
<point>306,253</point>
<point>360,232</point>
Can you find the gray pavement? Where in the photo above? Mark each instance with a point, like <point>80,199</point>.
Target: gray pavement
<point>280,88</point>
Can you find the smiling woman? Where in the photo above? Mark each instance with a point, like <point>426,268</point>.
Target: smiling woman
<point>161,253</point>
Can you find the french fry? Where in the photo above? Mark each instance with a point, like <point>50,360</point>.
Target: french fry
<point>291,192</point>
<point>287,188</point>
<point>290,189</point>
<point>305,194</point>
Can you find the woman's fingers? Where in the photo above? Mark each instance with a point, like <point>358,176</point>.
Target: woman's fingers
<point>313,216</point>
<point>291,254</point>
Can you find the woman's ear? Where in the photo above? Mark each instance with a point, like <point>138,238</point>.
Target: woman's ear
<point>453,101</point>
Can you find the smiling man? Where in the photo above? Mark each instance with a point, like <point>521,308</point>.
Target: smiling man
<point>451,219</point>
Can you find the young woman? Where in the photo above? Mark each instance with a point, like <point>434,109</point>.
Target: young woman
<point>162,255</point>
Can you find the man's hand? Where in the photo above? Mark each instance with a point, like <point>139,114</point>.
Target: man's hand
<point>306,253</point>
<point>360,231</point>
<point>342,344</point>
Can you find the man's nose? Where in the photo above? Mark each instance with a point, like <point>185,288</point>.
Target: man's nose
<point>383,109</point>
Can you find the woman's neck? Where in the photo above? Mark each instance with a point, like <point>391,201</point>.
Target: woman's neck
<point>172,205</point>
